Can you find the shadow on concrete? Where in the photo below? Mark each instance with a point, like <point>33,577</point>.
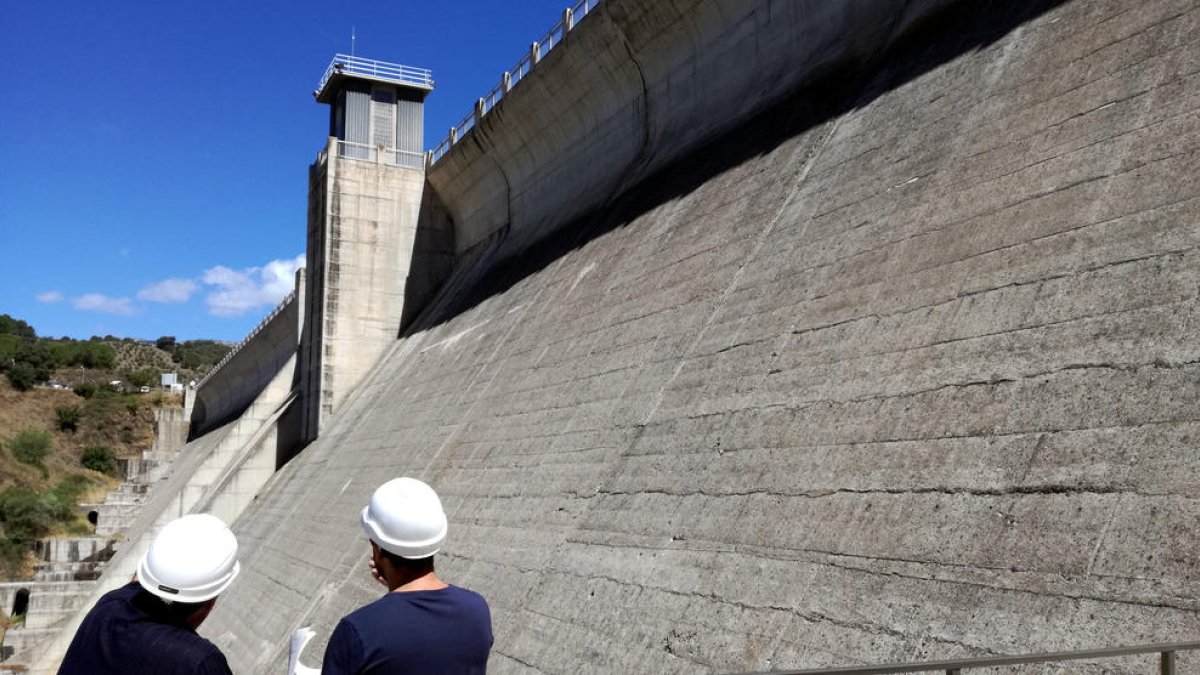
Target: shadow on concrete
<point>495,266</point>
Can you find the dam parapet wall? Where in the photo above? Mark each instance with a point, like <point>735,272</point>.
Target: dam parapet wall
<point>249,367</point>
<point>635,86</point>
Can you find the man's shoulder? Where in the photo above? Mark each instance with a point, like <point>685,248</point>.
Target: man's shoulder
<point>120,593</point>
<point>468,597</point>
<point>392,603</point>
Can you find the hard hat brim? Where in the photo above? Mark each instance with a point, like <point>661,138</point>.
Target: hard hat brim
<point>155,586</point>
<point>412,550</point>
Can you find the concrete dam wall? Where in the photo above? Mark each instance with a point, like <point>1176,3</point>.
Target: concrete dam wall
<point>893,361</point>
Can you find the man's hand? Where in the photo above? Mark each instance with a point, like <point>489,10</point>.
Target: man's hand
<point>375,572</point>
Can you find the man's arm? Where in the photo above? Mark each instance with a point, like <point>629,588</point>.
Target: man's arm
<point>213,664</point>
<point>344,653</point>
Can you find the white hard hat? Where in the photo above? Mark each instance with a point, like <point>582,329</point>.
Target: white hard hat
<point>192,559</point>
<point>405,518</point>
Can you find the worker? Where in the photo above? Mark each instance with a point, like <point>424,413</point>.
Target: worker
<point>149,625</point>
<point>423,624</point>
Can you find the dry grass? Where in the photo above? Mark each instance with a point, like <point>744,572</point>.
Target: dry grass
<point>124,424</point>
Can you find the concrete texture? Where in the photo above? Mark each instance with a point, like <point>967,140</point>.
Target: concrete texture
<point>638,86</point>
<point>256,361</point>
<point>362,227</point>
<point>902,366</point>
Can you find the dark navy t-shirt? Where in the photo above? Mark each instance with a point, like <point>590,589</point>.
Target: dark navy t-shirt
<point>125,634</point>
<point>443,631</point>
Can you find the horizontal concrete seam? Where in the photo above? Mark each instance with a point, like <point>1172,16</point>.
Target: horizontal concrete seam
<point>1006,93</point>
<point>1052,235</point>
<point>1040,194</point>
<point>1007,589</point>
<point>984,291</point>
<point>1013,331</point>
<point>1016,284</point>
<point>1041,130</point>
<point>991,382</point>
<point>1083,489</point>
<point>1131,36</point>
<point>926,439</point>
<point>782,555</point>
<point>865,626</point>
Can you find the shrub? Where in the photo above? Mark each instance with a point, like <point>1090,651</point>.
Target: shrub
<point>99,458</point>
<point>85,389</point>
<point>142,377</point>
<point>26,517</point>
<point>31,446</point>
<point>22,376</point>
<point>68,417</point>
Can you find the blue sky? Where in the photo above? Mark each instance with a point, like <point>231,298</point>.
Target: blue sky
<point>154,155</point>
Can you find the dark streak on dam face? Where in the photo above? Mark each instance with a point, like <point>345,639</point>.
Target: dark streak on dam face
<point>902,366</point>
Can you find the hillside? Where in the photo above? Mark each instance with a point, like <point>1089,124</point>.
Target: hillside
<point>69,411</point>
<point>48,440</point>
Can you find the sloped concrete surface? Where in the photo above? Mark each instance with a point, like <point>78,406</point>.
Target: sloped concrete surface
<point>903,368</point>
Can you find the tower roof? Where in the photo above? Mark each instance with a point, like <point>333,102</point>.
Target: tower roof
<point>344,67</point>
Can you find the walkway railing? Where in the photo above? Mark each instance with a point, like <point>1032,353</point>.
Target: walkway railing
<point>380,70</point>
<point>372,153</point>
<point>1166,660</point>
<point>249,336</point>
<point>511,77</point>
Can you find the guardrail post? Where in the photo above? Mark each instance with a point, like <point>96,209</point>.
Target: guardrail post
<point>478,111</point>
<point>453,135</point>
<point>506,81</point>
<point>954,671</point>
<point>568,21</point>
<point>535,53</point>
<point>1166,665</point>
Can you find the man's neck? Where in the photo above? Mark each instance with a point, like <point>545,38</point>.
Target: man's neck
<point>428,581</point>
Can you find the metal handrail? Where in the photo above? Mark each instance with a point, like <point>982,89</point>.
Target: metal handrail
<point>1166,652</point>
<point>249,336</point>
<point>381,70</point>
<point>374,153</point>
<point>510,78</point>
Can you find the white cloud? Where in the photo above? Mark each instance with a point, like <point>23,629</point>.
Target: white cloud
<point>240,291</point>
<point>50,296</point>
<point>95,302</point>
<point>168,290</point>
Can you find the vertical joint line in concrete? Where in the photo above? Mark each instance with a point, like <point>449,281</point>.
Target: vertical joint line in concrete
<point>760,241</point>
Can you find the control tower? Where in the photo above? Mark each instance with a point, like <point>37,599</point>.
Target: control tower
<point>364,197</point>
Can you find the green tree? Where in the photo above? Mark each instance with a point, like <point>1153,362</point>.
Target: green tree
<point>31,446</point>
<point>165,343</point>
<point>22,376</point>
<point>99,458</point>
<point>37,356</point>
<point>142,377</point>
<point>8,349</point>
<point>25,515</point>
<point>11,326</point>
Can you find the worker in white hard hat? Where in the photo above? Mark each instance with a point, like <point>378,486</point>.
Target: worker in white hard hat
<point>423,624</point>
<point>149,625</point>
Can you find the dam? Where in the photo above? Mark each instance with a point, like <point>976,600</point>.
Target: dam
<point>754,336</point>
